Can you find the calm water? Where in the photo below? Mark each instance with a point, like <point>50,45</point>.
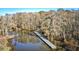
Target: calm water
<point>31,43</point>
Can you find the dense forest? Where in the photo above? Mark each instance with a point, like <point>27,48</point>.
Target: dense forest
<point>60,27</point>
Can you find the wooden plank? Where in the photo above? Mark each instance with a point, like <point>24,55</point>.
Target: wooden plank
<point>46,41</point>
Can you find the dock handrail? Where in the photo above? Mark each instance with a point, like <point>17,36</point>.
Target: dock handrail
<point>51,45</point>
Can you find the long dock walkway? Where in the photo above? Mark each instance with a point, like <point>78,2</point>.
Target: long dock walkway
<point>46,41</point>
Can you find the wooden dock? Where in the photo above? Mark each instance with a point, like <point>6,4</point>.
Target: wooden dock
<point>46,41</point>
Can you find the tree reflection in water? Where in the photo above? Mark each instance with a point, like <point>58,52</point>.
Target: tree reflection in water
<point>29,41</point>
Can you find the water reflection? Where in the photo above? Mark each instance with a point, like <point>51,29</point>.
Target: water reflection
<point>29,42</point>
